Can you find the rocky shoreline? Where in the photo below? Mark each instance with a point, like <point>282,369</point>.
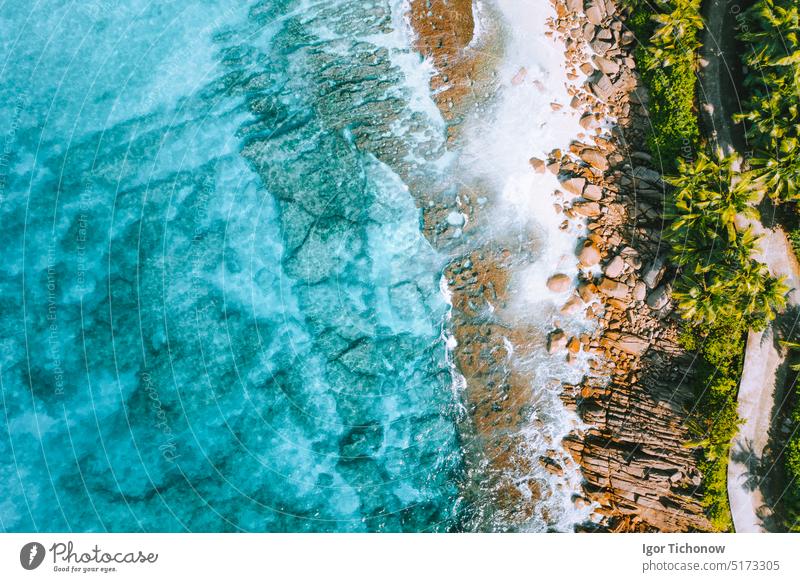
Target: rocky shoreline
<point>505,487</point>
<point>637,467</point>
<point>638,473</point>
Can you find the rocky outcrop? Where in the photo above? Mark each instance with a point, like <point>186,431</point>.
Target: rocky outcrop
<point>444,31</point>
<point>639,473</point>
<point>505,486</point>
<point>638,470</point>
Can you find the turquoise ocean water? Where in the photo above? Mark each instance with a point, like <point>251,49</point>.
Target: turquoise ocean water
<point>218,312</point>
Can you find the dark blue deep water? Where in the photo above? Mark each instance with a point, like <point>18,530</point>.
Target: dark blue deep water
<point>218,311</point>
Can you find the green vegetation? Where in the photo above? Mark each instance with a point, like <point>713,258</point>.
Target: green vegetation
<point>720,279</point>
<point>791,499</point>
<point>721,290</point>
<point>668,61</point>
<point>772,110</point>
<point>791,455</point>
<point>714,421</point>
<point>771,31</point>
<point>794,239</point>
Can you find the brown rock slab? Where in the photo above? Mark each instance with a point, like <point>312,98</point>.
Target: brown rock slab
<point>593,192</point>
<point>587,291</point>
<point>588,209</point>
<point>601,47</point>
<point>588,121</point>
<point>639,291</point>
<point>652,276</point>
<point>538,165</point>
<point>594,14</point>
<point>659,297</point>
<point>629,343</point>
<point>589,255</point>
<point>605,33</point>
<point>559,283</point>
<point>556,341</point>
<point>588,32</point>
<point>595,158</point>
<point>613,288</point>
<point>573,305</point>
<point>627,37</point>
<point>574,185</point>
<point>605,65</point>
<point>615,267</point>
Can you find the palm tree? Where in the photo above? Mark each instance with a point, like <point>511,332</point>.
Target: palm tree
<point>779,177</point>
<point>743,248</point>
<point>773,107</point>
<point>792,346</point>
<point>771,299</point>
<point>676,32</point>
<point>709,194</point>
<point>773,28</point>
<point>696,302</point>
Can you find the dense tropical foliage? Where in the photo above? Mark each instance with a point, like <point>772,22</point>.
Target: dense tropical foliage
<point>772,109</point>
<point>667,56</point>
<point>721,289</point>
<point>676,32</point>
<point>720,278</point>
<point>770,32</point>
<point>790,496</point>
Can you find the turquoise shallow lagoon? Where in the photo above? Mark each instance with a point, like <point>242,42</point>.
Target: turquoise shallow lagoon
<point>218,311</point>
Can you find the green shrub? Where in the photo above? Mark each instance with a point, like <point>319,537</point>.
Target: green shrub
<point>792,495</point>
<point>667,58</point>
<point>717,407</point>
<point>715,494</point>
<point>675,132</point>
<point>791,466</point>
<point>722,386</point>
<point>723,346</point>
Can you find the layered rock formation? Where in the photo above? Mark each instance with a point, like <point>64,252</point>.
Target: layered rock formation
<point>505,487</point>
<point>638,468</point>
<point>639,474</point>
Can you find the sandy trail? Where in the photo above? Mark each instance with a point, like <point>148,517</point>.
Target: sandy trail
<point>760,392</point>
<point>764,369</point>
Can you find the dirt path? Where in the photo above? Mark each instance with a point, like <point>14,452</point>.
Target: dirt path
<point>760,392</point>
<point>756,397</point>
<point>718,86</point>
<point>760,388</point>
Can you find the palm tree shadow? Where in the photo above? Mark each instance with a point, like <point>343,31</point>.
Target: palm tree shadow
<point>744,454</point>
<point>781,428</point>
<point>756,478</point>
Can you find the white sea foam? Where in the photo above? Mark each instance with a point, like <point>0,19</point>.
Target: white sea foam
<point>500,139</point>
<point>478,18</point>
<point>458,381</point>
<point>417,72</point>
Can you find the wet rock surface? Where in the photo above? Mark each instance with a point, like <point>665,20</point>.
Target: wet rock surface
<point>639,471</point>
<point>503,484</point>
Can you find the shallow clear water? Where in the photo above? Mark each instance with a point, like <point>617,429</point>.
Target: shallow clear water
<point>218,311</point>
